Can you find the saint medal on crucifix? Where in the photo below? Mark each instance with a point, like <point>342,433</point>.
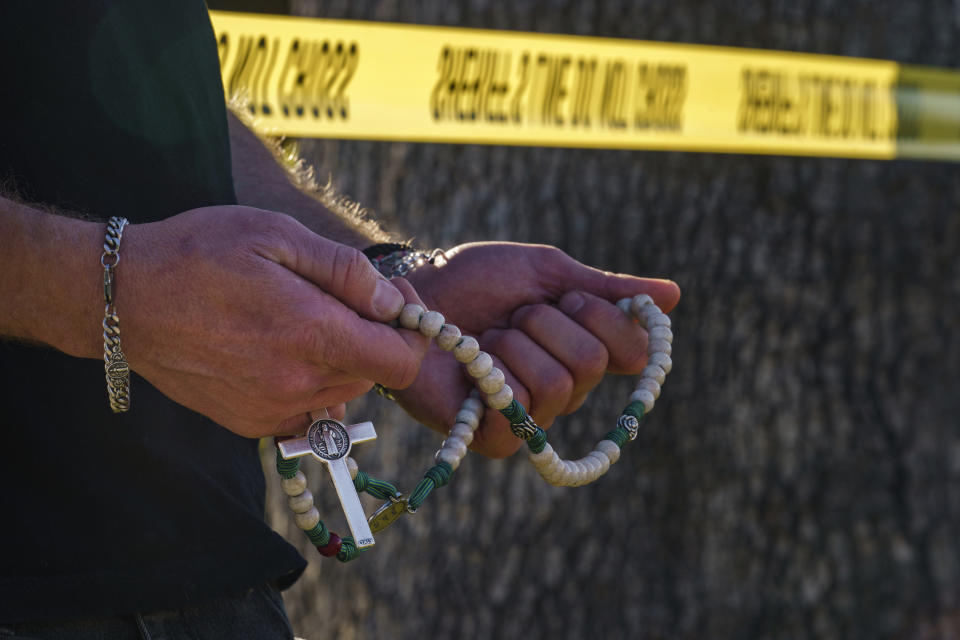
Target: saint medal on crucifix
<point>330,442</point>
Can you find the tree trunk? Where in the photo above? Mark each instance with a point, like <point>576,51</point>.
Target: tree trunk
<point>796,479</point>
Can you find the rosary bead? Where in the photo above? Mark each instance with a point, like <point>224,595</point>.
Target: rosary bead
<point>448,456</point>
<point>294,486</point>
<point>410,316</point>
<point>624,305</point>
<point>480,366</point>
<point>449,337</point>
<point>431,323</point>
<point>662,360</point>
<point>352,467</point>
<point>462,431</point>
<point>468,417</point>
<point>474,404</point>
<point>307,520</point>
<point>638,303</point>
<point>650,385</point>
<point>644,396</point>
<point>492,382</point>
<point>544,458</point>
<point>609,449</point>
<point>660,333</point>
<point>659,346</point>
<point>456,445</point>
<point>601,459</point>
<point>500,399</point>
<point>466,350</point>
<point>658,319</point>
<point>332,548</point>
<point>654,372</point>
<point>301,503</point>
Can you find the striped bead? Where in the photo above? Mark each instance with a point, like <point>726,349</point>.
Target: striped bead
<point>448,337</point>
<point>431,323</point>
<point>410,316</point>
<point>466,350</point>
<point>480,366</point>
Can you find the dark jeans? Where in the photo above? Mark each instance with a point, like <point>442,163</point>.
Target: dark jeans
<point>256,614</point>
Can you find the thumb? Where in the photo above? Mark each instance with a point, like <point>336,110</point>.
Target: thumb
<point>346,274</point>
<point>568,274</point>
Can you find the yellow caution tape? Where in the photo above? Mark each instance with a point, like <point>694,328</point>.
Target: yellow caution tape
<point>344,79</point>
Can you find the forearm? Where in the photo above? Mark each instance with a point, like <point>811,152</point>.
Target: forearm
<point>261,181</point>
<point>50,279</point>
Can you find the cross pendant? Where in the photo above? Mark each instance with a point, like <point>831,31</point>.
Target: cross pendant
<point>330,442</point>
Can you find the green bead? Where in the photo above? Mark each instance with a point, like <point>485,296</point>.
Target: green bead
<point>380,489</point>
<point>439,473</point>
<point>319,535</point>
<point>287,468</point>
<point>538,442</point>
<point>635,409</point>
<point>361,481</point>
<point>514,412</point>
<point>348,550</point>
<point>618,436</point>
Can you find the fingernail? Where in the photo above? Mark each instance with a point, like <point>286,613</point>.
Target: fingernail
<point>571,303</point>
<point>387,300</point>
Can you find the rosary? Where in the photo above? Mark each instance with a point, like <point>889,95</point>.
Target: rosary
<point>330,441</point>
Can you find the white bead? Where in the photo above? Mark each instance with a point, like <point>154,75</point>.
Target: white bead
<point>659,346</point>
<point>450,457</point>
<point>466,350</point>
<point>638,303</point>
<point>658,319</point>
<point>492,382</point>
<point>473,404</point>
<point>624,304</point>
<point>431,323</point>
<point>655,373</point>
<point>602,460</point>
<point>462,431</point>
<point>410,316</point>
<point>468,417</point>
<point>448,337</point>
<point>661,333</point>
<point>543,459</point>
<point>352,467</point>
<point>294,486</point>
<point>308,520</point>
<point>610,449</point>
<point>456,445</point>
<point>644,396</point>
<point>480,366</point>
<point>662,360</point>
<point>301,503</point>
<point>557,474</point>
<point>650,385</point>
<point>500,399</point>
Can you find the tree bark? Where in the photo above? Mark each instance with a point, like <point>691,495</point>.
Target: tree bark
<point>797,477</point>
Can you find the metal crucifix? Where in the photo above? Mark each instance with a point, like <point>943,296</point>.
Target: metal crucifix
<point>330,442</point>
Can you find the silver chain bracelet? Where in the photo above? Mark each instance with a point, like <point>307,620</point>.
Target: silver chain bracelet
<point>114,362</point>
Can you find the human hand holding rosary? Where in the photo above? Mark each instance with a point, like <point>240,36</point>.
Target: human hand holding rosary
<point>331,441</point>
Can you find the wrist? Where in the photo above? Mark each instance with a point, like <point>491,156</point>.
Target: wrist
<point>52,280</point>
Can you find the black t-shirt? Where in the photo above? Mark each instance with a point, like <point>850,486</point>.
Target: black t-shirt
<point>116,108</point>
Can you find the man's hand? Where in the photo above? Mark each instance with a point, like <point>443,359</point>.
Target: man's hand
<point>252,320</point>
<point>550,323</point>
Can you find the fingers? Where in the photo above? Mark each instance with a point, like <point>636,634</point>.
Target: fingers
<point>337,338</point>
<point>548,382</point>
<point>624,340</point>
<point>583,355</point>
<point>562,273</point>
<point>345,273</point>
